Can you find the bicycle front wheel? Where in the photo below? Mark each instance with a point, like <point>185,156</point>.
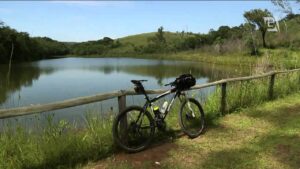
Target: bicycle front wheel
<point>133,129</point>
<point>191,118</point>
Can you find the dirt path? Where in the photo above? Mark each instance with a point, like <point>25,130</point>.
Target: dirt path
<point>153,156</point>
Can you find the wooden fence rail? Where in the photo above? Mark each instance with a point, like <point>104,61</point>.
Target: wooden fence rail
<point>121,95</point>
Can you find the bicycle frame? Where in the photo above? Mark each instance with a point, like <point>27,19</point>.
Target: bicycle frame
<point>150,101</point>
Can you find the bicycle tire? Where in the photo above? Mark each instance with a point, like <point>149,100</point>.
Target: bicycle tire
<point>117,137</point>
<point>202,120</point>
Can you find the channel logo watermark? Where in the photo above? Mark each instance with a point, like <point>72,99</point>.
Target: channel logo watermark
<point>272,24</point>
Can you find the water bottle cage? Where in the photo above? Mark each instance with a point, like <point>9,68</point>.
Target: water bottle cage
<point>158,115</point>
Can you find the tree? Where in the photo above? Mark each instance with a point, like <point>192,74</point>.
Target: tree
<point>224,32</point>
<point>284,5</point>
<point>106,41</point>
<point>156,43</point>
<point>159,36</point>
<point>249,38</point>
<point>256,17</point>
<point>19,46</point>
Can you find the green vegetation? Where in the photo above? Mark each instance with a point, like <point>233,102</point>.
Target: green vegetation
<point>24,48</point>
<point>243,40</point>
<point>94,47</point>
<point>256,18</point>
<point>56,145</point>
<point>250,93</point>
<point>227,45</point>
<point>259,137</point>
<point>66,145</point>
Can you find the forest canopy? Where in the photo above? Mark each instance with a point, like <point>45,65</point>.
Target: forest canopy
<point>26,48</point>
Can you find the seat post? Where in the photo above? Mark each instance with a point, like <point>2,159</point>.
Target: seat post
<point>138,83</point>
<point>144,92</point>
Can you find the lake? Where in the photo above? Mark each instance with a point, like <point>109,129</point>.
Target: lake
<point>54,80</point>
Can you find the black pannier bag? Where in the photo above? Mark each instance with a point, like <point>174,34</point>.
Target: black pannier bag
<point>184,81</point>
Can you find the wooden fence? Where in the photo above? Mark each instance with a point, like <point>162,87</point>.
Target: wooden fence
<point>121,95</point>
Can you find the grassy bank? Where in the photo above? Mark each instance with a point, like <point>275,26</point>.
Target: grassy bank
<point>65,145</point>
<point>266,136</point>
<point>57,145</point>
<point>251,93</point>
<point>282,58</point>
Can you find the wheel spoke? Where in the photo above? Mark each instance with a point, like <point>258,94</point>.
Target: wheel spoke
<point>145,127</point>
<point>139,130</point>
<point>191,118</point>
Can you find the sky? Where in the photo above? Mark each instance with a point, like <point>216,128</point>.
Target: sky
<point>76,21</point>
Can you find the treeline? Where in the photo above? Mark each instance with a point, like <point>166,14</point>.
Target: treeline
<point>189,40</point>
<point>98,47</point>
<point>24,48</point>
<point>248,37</point>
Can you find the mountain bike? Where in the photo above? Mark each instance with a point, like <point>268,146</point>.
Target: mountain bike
<point>134,128</point>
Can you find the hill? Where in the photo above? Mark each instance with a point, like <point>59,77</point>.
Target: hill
<point>129,46</point>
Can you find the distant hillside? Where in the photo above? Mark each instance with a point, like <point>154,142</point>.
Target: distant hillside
<point>130,44</point>
<point>237,39</point>
<point>142,39</point>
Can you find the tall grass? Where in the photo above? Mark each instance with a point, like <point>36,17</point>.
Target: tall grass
<point>57,145</point>
<point>250,93</point>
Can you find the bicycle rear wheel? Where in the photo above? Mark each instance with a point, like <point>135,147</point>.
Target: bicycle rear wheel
<point>133,129</point>
<point>191,118</point>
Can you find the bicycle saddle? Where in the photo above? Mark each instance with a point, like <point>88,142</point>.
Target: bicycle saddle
<point>136,82</point>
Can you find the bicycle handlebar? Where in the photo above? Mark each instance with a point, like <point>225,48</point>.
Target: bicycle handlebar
<point>138,81</point>
<point>170,84</point>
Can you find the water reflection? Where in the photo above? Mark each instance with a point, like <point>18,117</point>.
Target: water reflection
<point>21,75</point>
<point>58,79</point>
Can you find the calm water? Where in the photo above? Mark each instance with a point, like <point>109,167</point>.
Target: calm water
<point>58,79</point>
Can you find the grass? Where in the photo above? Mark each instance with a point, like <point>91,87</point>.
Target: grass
<point>142,39</point>
<point>251,93</point>
<point>281,58</point>
<point>246,139</point>
<point>258,137</point>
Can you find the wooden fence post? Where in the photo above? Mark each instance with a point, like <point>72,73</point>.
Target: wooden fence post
<point>223,98</point>
<point>122,106</point>
<point>298,78</point>
<point>271,86</point>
